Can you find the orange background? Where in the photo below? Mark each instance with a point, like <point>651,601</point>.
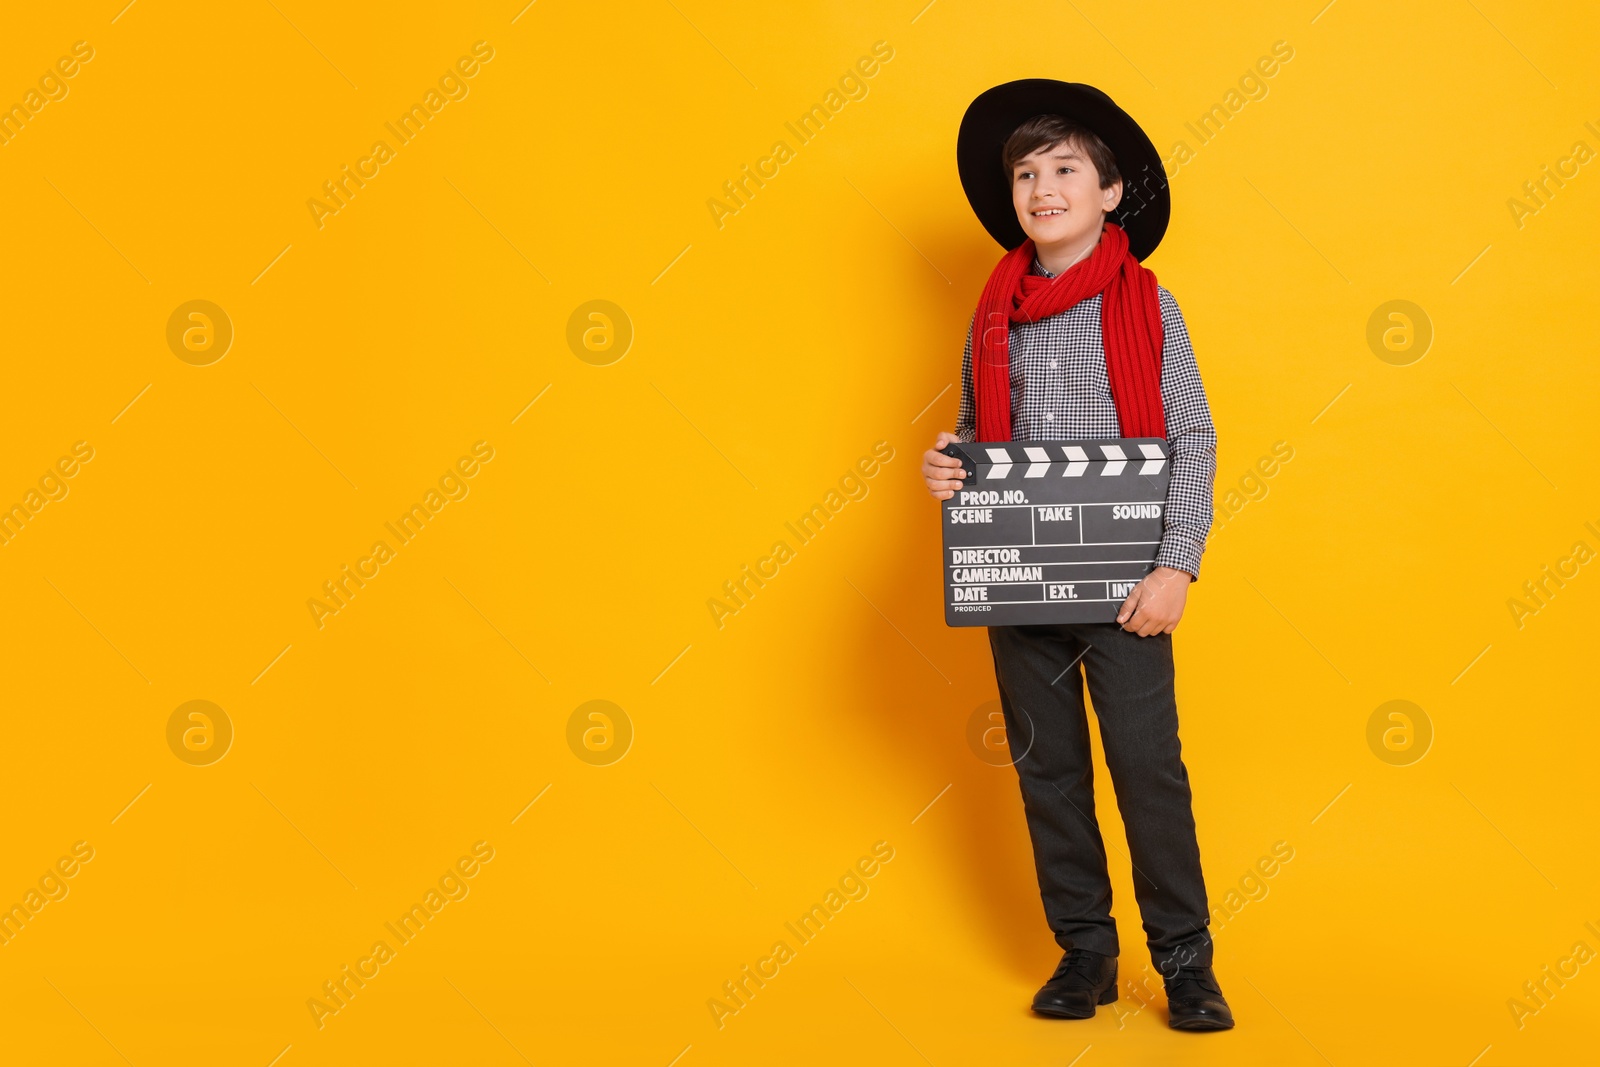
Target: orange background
<point>768,355</point>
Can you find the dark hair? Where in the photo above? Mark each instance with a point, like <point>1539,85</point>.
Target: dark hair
<point>1047,131</point>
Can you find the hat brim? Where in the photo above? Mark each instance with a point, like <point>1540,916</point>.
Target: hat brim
<point>1146,205</point>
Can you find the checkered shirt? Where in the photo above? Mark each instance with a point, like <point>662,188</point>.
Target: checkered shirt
<point>1060,391</point>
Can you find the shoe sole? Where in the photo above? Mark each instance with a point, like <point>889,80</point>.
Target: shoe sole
<point>1200,1025</point>
<point>1109,996</point>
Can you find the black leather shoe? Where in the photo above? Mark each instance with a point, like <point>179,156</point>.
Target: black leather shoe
<point>1082,980</point>
<point>1195,1001</point>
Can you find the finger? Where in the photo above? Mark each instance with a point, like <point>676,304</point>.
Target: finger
<point>942,483</point>
<point>1155,623</point>
<point>945,437</point>
<point>1143,620</point>
<point>1130,605</point>
<point>939,459</point>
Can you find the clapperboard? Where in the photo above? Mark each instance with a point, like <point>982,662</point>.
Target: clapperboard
<point>1052,531</point>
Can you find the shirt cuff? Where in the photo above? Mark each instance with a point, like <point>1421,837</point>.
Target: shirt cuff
<point>1180,554</point>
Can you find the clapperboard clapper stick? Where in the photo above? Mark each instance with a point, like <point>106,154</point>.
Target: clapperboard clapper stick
<point>1052,531</point>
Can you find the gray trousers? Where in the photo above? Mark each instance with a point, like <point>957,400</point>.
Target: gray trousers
<point>1040,670</point>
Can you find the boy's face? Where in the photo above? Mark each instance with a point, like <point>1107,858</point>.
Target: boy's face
<point>1056,192</point>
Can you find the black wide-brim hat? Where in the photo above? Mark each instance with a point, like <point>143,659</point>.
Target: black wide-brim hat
<point>1146,204</point>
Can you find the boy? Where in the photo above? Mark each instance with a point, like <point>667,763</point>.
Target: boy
<point>1076,339</point>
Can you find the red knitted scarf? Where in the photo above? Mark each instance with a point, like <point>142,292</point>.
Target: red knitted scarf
<point>1130,325</point>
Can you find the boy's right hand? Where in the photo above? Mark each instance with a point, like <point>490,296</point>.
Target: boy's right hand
<point>943,473</point>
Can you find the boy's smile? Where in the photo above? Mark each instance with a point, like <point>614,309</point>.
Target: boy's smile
<point>1057,195</point>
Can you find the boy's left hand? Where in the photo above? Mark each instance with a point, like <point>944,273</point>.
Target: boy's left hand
<point>1156,603</point>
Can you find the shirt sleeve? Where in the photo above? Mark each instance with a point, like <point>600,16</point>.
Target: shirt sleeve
<point>965,430</point>
<point>1192,438</point>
